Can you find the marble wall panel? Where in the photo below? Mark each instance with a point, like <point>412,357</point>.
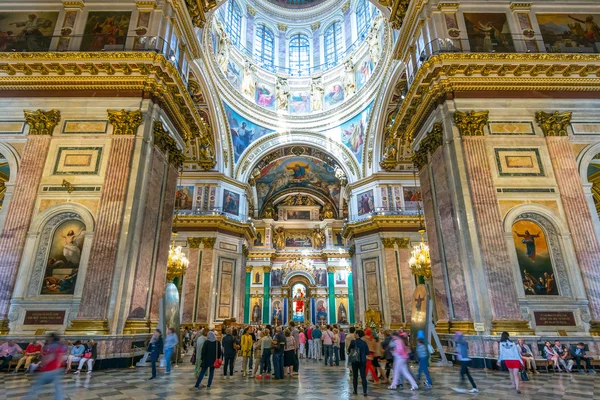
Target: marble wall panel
<point>393,286</point>
<point>407,281</point>
<point>190,284</point>
<point>206,268</point>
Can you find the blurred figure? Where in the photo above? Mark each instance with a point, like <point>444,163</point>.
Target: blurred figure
<point>51,369</point>
<point>170,345</point>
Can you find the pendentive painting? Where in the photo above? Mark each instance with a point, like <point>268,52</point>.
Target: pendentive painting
<point>334,95</point>
<point>489,32</point>
<point>26,31</point>
<point>570,33</point>
<point>265,96</point>
<point>64,258</point>
<point>243,131</point>
<point>105,30</point>
<point>299,102</point>
<point>534,259</point>
<point>231,202</point>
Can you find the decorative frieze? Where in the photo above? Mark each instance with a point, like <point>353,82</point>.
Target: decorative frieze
<point>125,122</point>
<point>471,123</point>
<point>42,122</point>
<point>554,124</point>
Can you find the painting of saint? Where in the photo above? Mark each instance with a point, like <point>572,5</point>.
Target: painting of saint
<point>258,241</point>
<point>299,103</point>
<point>64,258</point>
<point>534,259</point>
<point>342,311</point>
<point>303,215</point>
<point>106,30</point>
<point>234,75</point>
<point>276,277</point>
<point>277,313</point>
<point>184,197</point>
<point>340,278</point>
<point>365,69</point>
<point>26,31</point>
<point>298,302</point>
<point>489,32</point>
<point>570,33</point>
<point>321,277</point>
<point>365,202</point>
<point>413,198</point>
<point>339,241</point>
<point>243,132</point>
<point>265,96</point>
<point>321,312</point>
<point>257,278</point>
<point>231,202</point>
<point>334,95</point>
<point>298,170</point>
<point>353,131</point>
<point>257,312</point>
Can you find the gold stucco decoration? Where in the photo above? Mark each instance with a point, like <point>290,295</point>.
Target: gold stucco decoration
<point>554,124</point>
<point>125,122</point>
<point>471,123</point>
<point>42,122</point>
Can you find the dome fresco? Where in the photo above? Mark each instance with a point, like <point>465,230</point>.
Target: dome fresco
<point>296,4</point>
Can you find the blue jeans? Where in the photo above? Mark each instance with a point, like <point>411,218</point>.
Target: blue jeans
<point>278,365</point>
<point>168,355</point>
<point>44,378</point>
<point>211,373</point>
<point>336,354</point>
<point>328,353</point>
<point>153,360</point>
<point>423,368</point>
<point>265,362</point>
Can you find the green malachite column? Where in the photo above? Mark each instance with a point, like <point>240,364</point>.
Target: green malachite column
<point>350,298</point>
<point>247,296</point>
<point>267,294</point>
<point>330,278</point>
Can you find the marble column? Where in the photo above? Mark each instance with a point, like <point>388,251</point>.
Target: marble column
<point>190,290</point>
<point>407,279</point>
<point>205,286</point>
<point>103,254</point>
<point>394,288</point>
<point>331,284</point>
<point>350,297</point>
<point>20,210</point>
<point>266,294</point>
<point>247,295</point>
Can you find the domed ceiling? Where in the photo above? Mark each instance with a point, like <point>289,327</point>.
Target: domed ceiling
<point>296,3</point>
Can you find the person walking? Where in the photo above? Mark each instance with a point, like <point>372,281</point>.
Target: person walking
<point>371,357</point>
<point>246,350</point>
<point>510,354</point>
<point>357,355</point>
<point>229,350</point>
<point>200,338</point>
<point>211,352</point>
<point>423,356</point>
<point>462,355</point>
<point>278,347</point>
<point>170,345</point>
<point>51,367</point>
<point>265,350</point>
<point>327,339</point>
<point>316,335</point>
<point>155,348</point>
<point>289,353</point>
<point>400,352</point>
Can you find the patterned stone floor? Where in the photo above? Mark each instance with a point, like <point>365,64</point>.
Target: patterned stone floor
<point>314,382</point>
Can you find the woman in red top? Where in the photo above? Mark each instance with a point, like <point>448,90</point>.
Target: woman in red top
<point>32,353</point>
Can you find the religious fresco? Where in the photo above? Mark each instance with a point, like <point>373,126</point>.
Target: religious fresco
<point>338,241</point>
<point>243,132</point>
<point>566,33</point>
<point>298,303</point>
<point>365,202</point>
<point>105,30</point>
<point>265,96</point>
<point>64,258</point>
<point>413,198</point>
<point>231,202</point>
<point>320,276</point>
<point>184,197</point>
<point>234,75</point>
<point>298,238</point>
<point>334,95</point>
<point>297,172</point>
<point>256,310</point>
<point>299,102</point>
<point>26,31</point>
<point>340,278</point>
<point>352,133</point>
<point>363,72</point>
<point>259,241</point>
<point>341,307</point>
<point>489,32</point>
<point>321,311</point>
<point>534,259</point>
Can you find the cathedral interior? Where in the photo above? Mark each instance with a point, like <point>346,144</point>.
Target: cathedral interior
<point>314,161</point>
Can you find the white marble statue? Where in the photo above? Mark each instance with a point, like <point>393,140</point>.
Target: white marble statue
<point>223,50</point>
<point>249,82</point>
<point>374,41</point>
<point>283,93</point>
<point>316,94</point>
<point>349,78</point>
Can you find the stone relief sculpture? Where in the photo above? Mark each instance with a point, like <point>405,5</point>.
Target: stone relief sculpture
<point>279,238</point>
<point>349,78</point>
<point>374,41</point>
<point>327,211</point>
<point>316,94</point>
<point>283,93</point>
<point>249,82</point>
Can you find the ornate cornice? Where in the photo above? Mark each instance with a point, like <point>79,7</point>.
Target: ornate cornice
<point>42,122</point>
<point>212,223</point>
<point>381,223</point>
<point>198,10</point>
<point>399,8</point>
<point>167,144</point>
<point>471,123</point>
<point>448,6</point>
<point>520,6</point>
<point>145,4</point>
<point>125,122</point>
<point>554,124</point>
<point>194,242</point>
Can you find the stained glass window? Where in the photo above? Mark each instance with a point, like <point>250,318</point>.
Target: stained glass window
<point>264,46</point>
<point>233,22</point>
<point>333,43</point>
<point>299,53</point>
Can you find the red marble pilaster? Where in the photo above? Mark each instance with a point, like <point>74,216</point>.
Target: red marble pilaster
<point>189,290</point>
<point>205,289</point>
<point>407,281</point>
<point>393,283</point>
<point>579,218</point>
<point>494,251</point>
<point>109,221</point>
<point>18,216</point>
<point>164,241</point>
<point>143,268</point>
<point>441,298</point>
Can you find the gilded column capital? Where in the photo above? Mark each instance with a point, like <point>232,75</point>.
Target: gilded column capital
<point>430,143</point>
<point>209,243</point>
<point>315,26</point>
<point>249,269</point>
<point>251,10</point>
<point>267,268</point>
<point>167,144</point>
<point>245,250</point>
<point>471,123</point>
<point>125,122</point>
<point>194,243</point>
<point>42,122</point>
<point>331,270</point>
<point>78,4</point>
<point>352,250</point>
<point>520,6</point>
<point>554,124</point>
<point>403,242</point>
<point>282,27</point>
<point>388,243</point>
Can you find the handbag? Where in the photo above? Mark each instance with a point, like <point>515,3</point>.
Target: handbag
<point>524,376</point>
<point>193,359</point>
<point>353,355</point>
<point>218,363</point>
<point>87,354</point>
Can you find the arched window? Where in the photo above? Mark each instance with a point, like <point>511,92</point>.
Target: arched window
<point>299,53</point>
<point>363,16</point>
<point>333,43</point>
<point>233,22</point>
<point>263,48</point>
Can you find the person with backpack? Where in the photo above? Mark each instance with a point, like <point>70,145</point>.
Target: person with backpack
<point>357,358</point>
<point>399,345</point>
<point>387,353</point>
<point>423,352</point>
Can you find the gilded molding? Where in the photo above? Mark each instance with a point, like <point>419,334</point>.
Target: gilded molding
<point>78,4</point>
<point>331,270</point>
<point>471,123</point>
<point>345,6</point>
<point>95,326</point>
<point>167,144</point>
<point>209,243</point>
<point>4,330</point>
<point>198,9</point>
<point>388,243</point>
<point>133,327</point>
<point>520,6</point>
<point>267,269</point>
<point>554,124</point>
<point>125,122</point>
<point>212,223</point>
<point>513,327</point>
<point>42,122</point>
<point>448,6</point>
<point>399,8</point>
<point>194,242</point>
<point>381,223</point>
<point>282,27</point>
<point>249,269</point>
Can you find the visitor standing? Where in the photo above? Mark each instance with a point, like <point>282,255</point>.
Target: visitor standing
<point>510,354</point>
<point>342,350</point>
<point>155,348</point>
<point>52,364</point>
<point>309,338</point>
<point>170,345</point>
<point>336,347</point>
<point>357,356</point>
<point>278,347</point>
<point>246,350</point>
<point>257,353</point>
<point>316,335</point>
<point>349,338</point>
<point>265,349</point>
<point>462,355</point>
<point>200,338</point>
<point>289,353</point>
<point>327,339</point>
<point>302,343</point>
<point>211,352</point>
<point>229,350</point>
<point>400,352</point>
<point>296,335</point>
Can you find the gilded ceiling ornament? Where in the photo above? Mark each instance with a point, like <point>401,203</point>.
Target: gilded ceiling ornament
<point>472,123</point>
<point>194,243</point>
<point>125,122</point>
<point>67,185</point>
<point>315,26</point>
<point>198,9</point>
<point>554,124</point>
<point>328,211</point>
<point>78,4</point>
<point>268,211</point>
<point>42,122</point>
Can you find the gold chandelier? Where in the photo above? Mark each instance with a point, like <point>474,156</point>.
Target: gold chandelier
<point>178,262</point>
<point>420,263</point>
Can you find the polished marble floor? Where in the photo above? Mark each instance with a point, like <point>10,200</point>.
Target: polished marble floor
<point>315,381</point>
